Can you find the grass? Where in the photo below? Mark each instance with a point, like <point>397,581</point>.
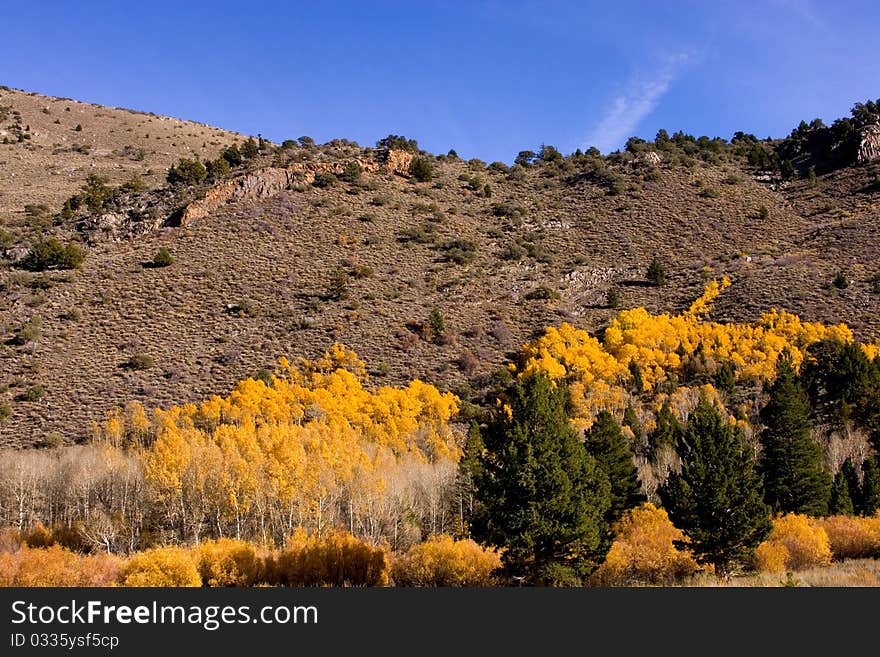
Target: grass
<point>851,572</point>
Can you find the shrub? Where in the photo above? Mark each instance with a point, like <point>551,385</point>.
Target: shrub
<point>525,158</point>
<point>217,168</point>
<point>421,169</point>
<point>351,173</point>
<point>39,536</point>
<point>771,557</point>
<point>616,186</point>
<point>763,213</point>
<point>853,537</point>
<point>334,559</point>
<point>338,288</point>
<point>325,179</point>
<point>840,280</point>
<point>228,562</point>
<point>140,362</point>
<point>549,154</point>
<point>656,273</point>
<point>134,184</point>
<point>56,566</point>
<point>249,148</point>
<point>644,550</point>
<point>51,254</point>
<point>459,251</point>
<point>164,566</point>
<point>875,284</point>
<point>804,541</point>
<point>232,155</point>
<point>542,293</point>
<point>443,561</point>
<point>437,324</point>
<point>5,409</point>
<point>612,298</point>
<point>187,172</point>
<point>163,258</point>
<point>398,142</point>
<point>34,393</point>
<point>29,332</point>
<point>505,209</point>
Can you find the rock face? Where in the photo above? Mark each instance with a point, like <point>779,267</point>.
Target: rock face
<point>869,147</point>
<point>398,162</point>
<point>267,182</point>
<point>651,157</point>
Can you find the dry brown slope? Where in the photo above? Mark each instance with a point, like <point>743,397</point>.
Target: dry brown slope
<point>251,281</point>
<point>52,164</point>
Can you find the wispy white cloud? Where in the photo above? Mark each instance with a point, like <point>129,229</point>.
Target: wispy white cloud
<point>806,11</point>
<point>641,94</point>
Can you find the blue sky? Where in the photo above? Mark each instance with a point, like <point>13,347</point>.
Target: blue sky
<point>485,78</point>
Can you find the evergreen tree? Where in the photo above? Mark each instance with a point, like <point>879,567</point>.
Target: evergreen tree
<point>795,480</point>
<point>840,503</point>
<point>631,420</point>
<point>853,485</point>
<point>843,384</point>
<point>606,444</point>
<point>716,499</point>
<point>656,273</point>
<point>668,431</point>
<point>725,378</point>
<point>249,148</point>
<point>468,471</point>
<point>636,373</point>
<point>543,497</point>
<point>870,493</point>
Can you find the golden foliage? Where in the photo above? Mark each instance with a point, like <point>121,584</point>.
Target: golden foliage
<point>444,561</point>
<point>56,566</point>
<point>335,558</point>
<point>39,536</point>
<point>644,550</point>
<point>799,541</point>
<point>163,566</point>
<point>281,450</point>
<point>229,562</point>
<point>853,537</point>
<point>598,373</point>
<point>771,557</point>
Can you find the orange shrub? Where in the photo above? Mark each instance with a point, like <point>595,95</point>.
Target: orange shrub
<point>164,566</point>
<point>804,540</point>
<point>56,566</point>
<point>39,536</point>
<point>644,551</point>
<point>771,557</point>
<point>443,561</point>
<point>334,559</point>
<point>228,562</point>
<point>853,538</point>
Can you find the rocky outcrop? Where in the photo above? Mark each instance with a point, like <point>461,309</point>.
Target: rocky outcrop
<point>398,162</point>
<point>257,185</point>
<point>269,181</point>
<point>651,157</point>
<point>869,146</point>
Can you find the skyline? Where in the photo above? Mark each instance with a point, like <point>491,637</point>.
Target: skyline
<point>487,79</point>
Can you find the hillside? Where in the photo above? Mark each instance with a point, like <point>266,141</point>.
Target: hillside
<point>292,266</point>
<point>48,146</point>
